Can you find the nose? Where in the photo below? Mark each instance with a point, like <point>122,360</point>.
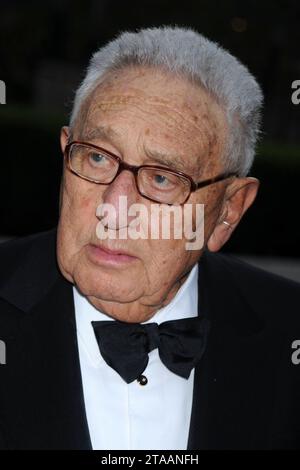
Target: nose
<point>120,194</point>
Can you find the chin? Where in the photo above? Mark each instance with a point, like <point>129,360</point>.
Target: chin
<point>106,287</point>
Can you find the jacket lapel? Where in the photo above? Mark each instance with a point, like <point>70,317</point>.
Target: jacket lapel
<point>47,412</point>
<point>233,381</point>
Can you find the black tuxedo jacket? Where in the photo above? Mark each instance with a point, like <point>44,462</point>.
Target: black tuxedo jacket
<point>246,388</point>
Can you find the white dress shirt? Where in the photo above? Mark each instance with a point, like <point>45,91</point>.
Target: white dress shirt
<point>133,416</point>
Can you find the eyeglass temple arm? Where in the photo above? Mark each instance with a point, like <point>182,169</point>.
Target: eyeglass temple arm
<point>221,177</point>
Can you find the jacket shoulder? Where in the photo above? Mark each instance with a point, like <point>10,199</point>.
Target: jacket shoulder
<point>244,271</point>
<point>28,269</point>
<point>14,253</point>
<point>272,295</point>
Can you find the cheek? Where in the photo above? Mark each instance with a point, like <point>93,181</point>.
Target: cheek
<point>167,256</point>
<point>80,199</point>
<point>167,246</point>
<point>78,221</point>
<point>167,263</point>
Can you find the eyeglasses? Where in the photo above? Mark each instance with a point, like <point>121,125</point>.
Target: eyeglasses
<point>156,183</point>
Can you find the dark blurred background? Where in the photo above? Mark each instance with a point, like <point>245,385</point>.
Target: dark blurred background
<point>44,50</point>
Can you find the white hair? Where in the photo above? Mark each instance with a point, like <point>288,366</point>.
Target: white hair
<point>187,53</point>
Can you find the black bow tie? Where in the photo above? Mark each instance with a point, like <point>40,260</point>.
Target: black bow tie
<point>125,346</point>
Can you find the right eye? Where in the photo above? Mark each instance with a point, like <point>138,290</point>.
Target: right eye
<point>98,159</point>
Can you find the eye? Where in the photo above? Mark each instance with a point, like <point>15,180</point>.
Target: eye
<point>161,180</point>
<point>164,181</point>
<point>98,159</point>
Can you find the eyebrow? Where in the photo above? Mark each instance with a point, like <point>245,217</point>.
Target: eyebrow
<point>174,161</point>
<point>105,133</point>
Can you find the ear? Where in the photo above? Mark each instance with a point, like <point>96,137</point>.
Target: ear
<point>64,137</point>
<point>239,196</point>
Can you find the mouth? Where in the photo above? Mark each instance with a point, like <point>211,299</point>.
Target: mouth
<point>103,255</point>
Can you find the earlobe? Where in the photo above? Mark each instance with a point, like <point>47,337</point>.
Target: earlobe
<point>219,236</point>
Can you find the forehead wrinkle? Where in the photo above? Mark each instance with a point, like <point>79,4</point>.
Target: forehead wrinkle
<point>117,101</point>
<point>103,132</point>
<point>205,147</point>
<point>204,135</point>
<point>174,161</point>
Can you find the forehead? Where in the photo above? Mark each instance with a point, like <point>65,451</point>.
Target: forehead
<point>166,109</point>
<point>155,88</point>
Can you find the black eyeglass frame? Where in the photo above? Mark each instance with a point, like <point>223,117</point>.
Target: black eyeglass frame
<point>135,170</point>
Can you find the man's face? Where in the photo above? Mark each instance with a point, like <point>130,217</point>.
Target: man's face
<point>137,114</point>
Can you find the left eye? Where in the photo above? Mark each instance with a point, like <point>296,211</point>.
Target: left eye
<point>161,180</point>
<point>164,181</point>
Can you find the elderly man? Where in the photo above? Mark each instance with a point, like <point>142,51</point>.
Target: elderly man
<point>115,341</point>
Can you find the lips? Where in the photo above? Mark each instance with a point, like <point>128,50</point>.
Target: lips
<point>113,252</point>
<point>102,254</point>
